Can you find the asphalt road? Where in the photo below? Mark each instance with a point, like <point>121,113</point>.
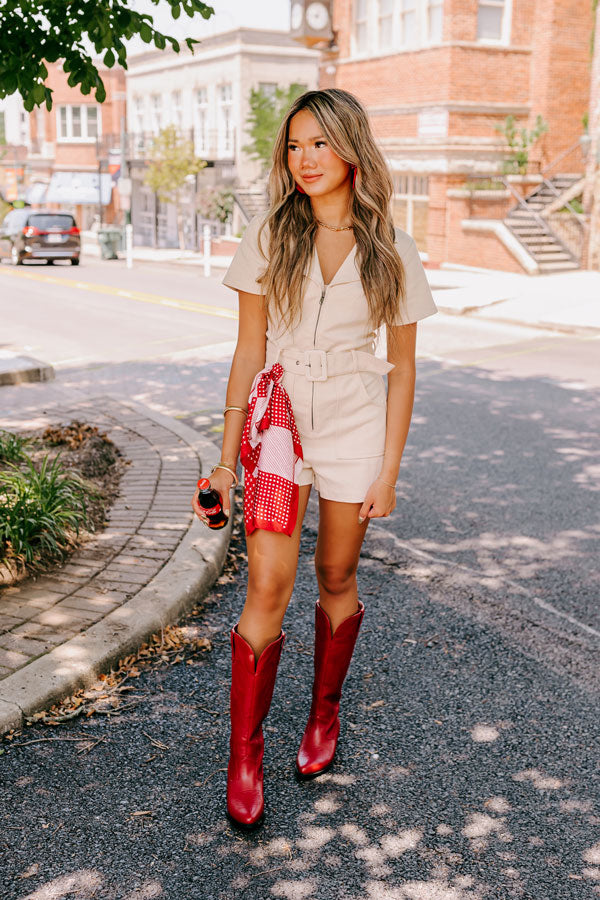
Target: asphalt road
<point>468,763</point>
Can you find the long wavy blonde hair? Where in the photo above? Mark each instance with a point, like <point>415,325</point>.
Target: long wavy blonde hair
<point>292,226</point>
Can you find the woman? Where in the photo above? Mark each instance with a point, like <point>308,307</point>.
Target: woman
<point>316,277</point>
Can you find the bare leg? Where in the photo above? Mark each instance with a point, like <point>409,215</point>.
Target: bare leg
<point>272,565</point>
<point>336,559</point>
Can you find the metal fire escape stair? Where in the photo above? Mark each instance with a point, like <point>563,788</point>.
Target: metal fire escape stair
<point>527,223</point>
<point>251,201</point>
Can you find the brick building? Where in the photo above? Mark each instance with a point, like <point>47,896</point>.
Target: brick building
<point>72,151</point>
<point>437,78</point>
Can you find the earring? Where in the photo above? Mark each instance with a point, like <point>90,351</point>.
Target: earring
<point>298,188</point>
<point>353,175</point>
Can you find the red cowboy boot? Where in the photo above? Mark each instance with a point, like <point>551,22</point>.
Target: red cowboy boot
<point>252,686</point>
<point>332,659</point>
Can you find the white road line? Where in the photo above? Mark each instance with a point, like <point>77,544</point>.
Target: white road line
<point>537,601</point>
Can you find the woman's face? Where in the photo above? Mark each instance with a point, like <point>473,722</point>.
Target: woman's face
<point>312,162</point>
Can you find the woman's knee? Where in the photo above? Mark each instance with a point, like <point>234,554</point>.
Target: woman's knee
<point>269,592</point>
<point>335,578</point>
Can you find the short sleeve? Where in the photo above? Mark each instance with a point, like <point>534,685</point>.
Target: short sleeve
<point>248,263</point>
<point>418,301</point>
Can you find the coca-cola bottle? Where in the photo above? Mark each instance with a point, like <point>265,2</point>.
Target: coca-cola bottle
<point>210,501</point>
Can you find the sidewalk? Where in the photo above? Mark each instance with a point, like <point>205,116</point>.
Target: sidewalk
<point>567,301</point>
<point>152,563</point>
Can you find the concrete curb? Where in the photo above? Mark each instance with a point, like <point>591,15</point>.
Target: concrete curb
<point>180,584</point>
<point>17,369</point>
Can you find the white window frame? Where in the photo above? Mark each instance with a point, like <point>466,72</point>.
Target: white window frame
<point>224,133</point>
<point>156,113</point>
<point>68,137</point>
<point>505,29</point>
<point>177,109</point>
<point>398,44</point>
<point>428,7</point>
<point>201,126</point>
<point>415,182</point>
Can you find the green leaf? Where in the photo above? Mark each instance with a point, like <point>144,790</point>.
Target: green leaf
<point>145,33</point>
<point>109,59</point>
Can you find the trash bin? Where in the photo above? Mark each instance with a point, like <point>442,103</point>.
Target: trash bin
<point>110,239</point>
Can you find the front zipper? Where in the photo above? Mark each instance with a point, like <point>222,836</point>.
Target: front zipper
<point>312,401</point>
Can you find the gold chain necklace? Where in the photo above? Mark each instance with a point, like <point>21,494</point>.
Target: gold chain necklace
<point>335,227</point>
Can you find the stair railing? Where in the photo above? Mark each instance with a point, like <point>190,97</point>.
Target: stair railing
<point>522,204</point>
<point>543,223</point>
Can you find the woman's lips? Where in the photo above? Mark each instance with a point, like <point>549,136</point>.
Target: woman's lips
<point>310,177</point>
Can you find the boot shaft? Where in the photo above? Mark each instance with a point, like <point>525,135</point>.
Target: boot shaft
<point>252,685</point>
<point>333,653</point>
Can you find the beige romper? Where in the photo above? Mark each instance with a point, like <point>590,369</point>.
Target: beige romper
<point>332,375</point>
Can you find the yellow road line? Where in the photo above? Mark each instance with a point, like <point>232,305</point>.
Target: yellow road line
<point>139,296</point>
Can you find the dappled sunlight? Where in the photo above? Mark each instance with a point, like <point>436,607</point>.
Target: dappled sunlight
<point>79,885</point>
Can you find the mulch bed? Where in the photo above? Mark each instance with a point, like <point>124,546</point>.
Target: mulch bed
<point>89,453</point>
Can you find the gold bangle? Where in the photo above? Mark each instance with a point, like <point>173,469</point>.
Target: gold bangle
<point>238,408</point>
<point>379,478</point>
<point>227,469</point>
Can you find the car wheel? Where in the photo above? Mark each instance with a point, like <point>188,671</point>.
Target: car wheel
<point>49,262</point>
<point>74,260</point>
<point>15,257</point>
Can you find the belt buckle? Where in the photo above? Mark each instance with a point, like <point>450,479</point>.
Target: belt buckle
<point>308,364</point>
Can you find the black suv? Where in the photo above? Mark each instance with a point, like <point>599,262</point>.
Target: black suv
<point>37,234</point>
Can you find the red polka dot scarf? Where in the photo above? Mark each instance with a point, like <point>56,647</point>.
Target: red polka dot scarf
<point>271,455</point>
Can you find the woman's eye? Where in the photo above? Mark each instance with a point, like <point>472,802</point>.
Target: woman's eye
<point>322,143</point>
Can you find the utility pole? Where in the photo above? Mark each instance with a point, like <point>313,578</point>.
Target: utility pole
<point>591,194</point>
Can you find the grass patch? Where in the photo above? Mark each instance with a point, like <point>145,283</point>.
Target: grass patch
<point>13,447</point>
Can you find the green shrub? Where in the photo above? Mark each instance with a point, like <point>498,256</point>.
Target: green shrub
<point>12,446</point>
<point>41,512</point>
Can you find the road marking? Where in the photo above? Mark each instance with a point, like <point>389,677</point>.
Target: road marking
<point>523,591</point>
<point>203,309</point>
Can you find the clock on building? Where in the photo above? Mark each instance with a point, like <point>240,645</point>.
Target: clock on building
<point>317,16</point>
<point>311,22</point>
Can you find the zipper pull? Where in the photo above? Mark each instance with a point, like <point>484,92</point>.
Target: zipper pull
<point>322,297</point>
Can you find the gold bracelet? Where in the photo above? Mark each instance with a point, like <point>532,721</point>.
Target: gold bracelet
<point>227,469</point>
<point>379,478</point>
<point>238,408</point>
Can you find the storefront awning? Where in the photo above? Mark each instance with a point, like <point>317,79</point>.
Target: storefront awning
<point>36,192</point>
<point>79,188</point>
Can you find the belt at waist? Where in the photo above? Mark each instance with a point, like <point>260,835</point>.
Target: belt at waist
<point>319,365</point>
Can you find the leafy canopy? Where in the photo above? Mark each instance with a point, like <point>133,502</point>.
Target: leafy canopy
<point>264,119</point>
<point>34,32</point>
<point>171,161</point>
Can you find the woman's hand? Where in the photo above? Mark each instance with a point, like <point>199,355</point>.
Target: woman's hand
<point>221,481</point>
<point>379,501</point>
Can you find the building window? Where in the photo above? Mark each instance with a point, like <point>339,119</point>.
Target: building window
<point>268,88</point>
<point>156,113</point>
<point>492,20</point>
<point>360,26</point>
<point>408,22</point>
<point>224,120</point>
<point>435,20</point>
<point>138,115</point>
<point>410,206</point>
<point>386,24</point>
<point>201,129</point>
<point>177,110</point>
<point>78,123</point>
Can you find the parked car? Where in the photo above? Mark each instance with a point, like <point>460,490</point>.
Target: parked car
<point>39,234</point>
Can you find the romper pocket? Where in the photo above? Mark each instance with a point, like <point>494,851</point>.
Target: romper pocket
<point>361,416</point>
